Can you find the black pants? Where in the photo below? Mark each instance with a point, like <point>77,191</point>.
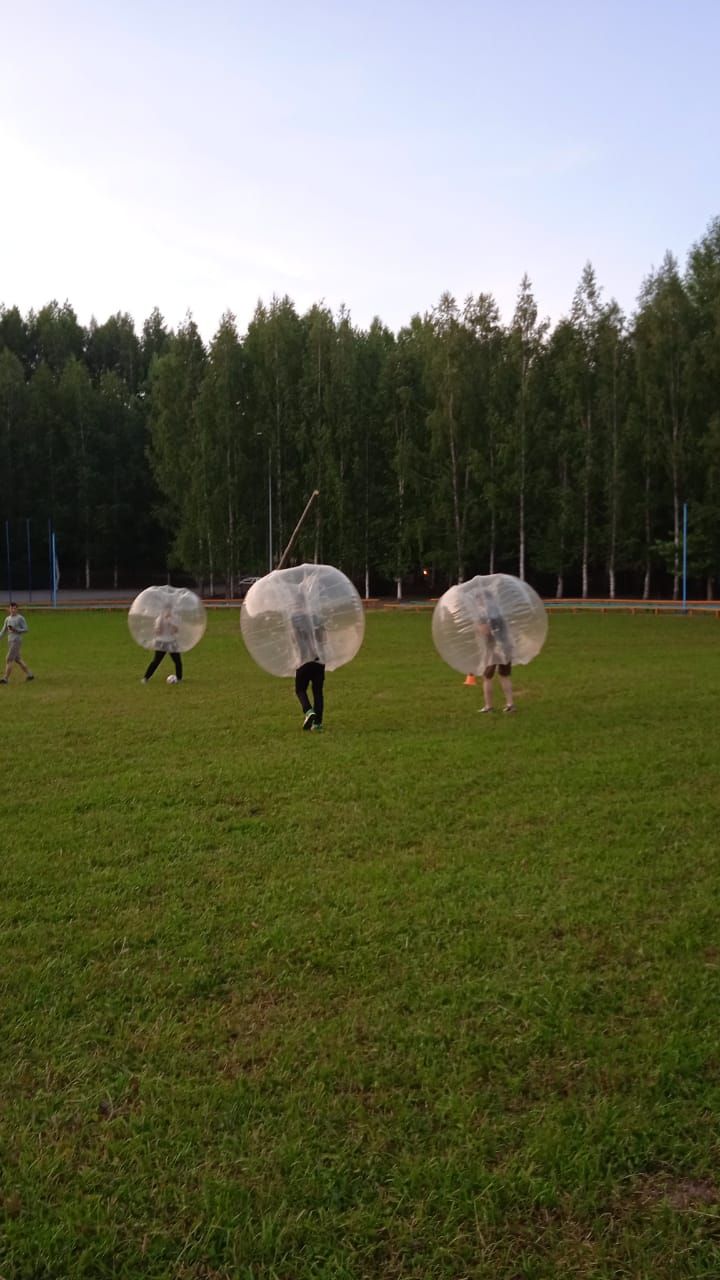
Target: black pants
<point>157,659</point>
<point>311,673</point>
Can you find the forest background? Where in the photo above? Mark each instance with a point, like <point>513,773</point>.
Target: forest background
<point>458,445</point>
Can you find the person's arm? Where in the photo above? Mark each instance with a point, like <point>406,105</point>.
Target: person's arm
<point>4,627</point>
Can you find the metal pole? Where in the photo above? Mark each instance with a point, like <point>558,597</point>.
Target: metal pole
<point>684,567</point>
<point>7,548</point>
<point>54,570</point>
<point>29,555</point>
<point>270,537</point>
<point>315,493</point>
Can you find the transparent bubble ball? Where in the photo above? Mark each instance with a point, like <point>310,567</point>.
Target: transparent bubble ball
<point>488,620</point>
<point>309,613</point>
<point>168,619</point>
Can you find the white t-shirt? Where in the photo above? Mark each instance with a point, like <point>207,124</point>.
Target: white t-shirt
<point>165,634</point>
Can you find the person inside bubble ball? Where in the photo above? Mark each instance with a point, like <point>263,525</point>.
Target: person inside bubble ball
<point>165,640</point>
<point>493,629</point>
<point>309,635</point>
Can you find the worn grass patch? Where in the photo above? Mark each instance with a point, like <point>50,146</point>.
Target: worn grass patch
<point>434,995</point>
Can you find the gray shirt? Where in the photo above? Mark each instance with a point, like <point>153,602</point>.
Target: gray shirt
<point>15,625</point>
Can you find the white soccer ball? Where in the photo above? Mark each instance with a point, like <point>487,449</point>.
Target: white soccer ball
<point>171,680</point>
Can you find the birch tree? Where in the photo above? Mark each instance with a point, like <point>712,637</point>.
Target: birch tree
<point>175,452</point>
<point>525,339</point>
<point>448,371</point>
<point>220,420</point>
<point>662,343</point>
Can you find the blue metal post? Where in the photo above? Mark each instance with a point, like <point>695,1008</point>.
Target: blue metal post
<point>54,569</point>
<point>684,570</point>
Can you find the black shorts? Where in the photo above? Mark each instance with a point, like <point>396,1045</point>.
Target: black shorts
<point>504,669</point>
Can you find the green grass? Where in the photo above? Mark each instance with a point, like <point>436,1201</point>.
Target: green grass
<point>434,995</point>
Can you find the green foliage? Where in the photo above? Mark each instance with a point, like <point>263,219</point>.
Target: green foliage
<point>13,432</point>
<point>113,347</point>
<point>458,445</point>
<point>274,350</point>
<point>55,336</point>
<point>222,455</point>
<point>663,343</point>
<point>175,448</point>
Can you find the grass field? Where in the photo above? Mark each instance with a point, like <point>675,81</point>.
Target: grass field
<point>433,995</point>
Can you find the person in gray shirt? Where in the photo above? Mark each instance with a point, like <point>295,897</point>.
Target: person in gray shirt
<point>15,626</point>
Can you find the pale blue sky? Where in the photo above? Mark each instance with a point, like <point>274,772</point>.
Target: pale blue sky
<point>201,156</point>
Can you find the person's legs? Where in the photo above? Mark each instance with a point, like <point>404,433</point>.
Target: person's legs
<point>177,659</point>
<point>506,682</point>
<point>157,659</point>
<point>488,674</point>
<point>13,655</point>
<point>302,680</point>
<point>318,681</point>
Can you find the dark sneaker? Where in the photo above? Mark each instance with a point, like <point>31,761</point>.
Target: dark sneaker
<point>309,721</point>
<point>3,681</point>
<point>29,677</point>
<point>317,728</point>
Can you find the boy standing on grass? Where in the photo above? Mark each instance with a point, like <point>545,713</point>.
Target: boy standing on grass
<point>498,657</point>
<point>165,640</point>
<point>16,626</point>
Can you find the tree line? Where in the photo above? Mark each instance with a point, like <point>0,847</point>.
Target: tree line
<point>457,445</point>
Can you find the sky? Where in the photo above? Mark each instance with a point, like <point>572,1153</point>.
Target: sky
<point>199,157</point>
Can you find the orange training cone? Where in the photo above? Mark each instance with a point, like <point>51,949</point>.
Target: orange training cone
<point>470,679</point>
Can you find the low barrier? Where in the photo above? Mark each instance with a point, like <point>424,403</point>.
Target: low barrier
<point>567,605</point>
